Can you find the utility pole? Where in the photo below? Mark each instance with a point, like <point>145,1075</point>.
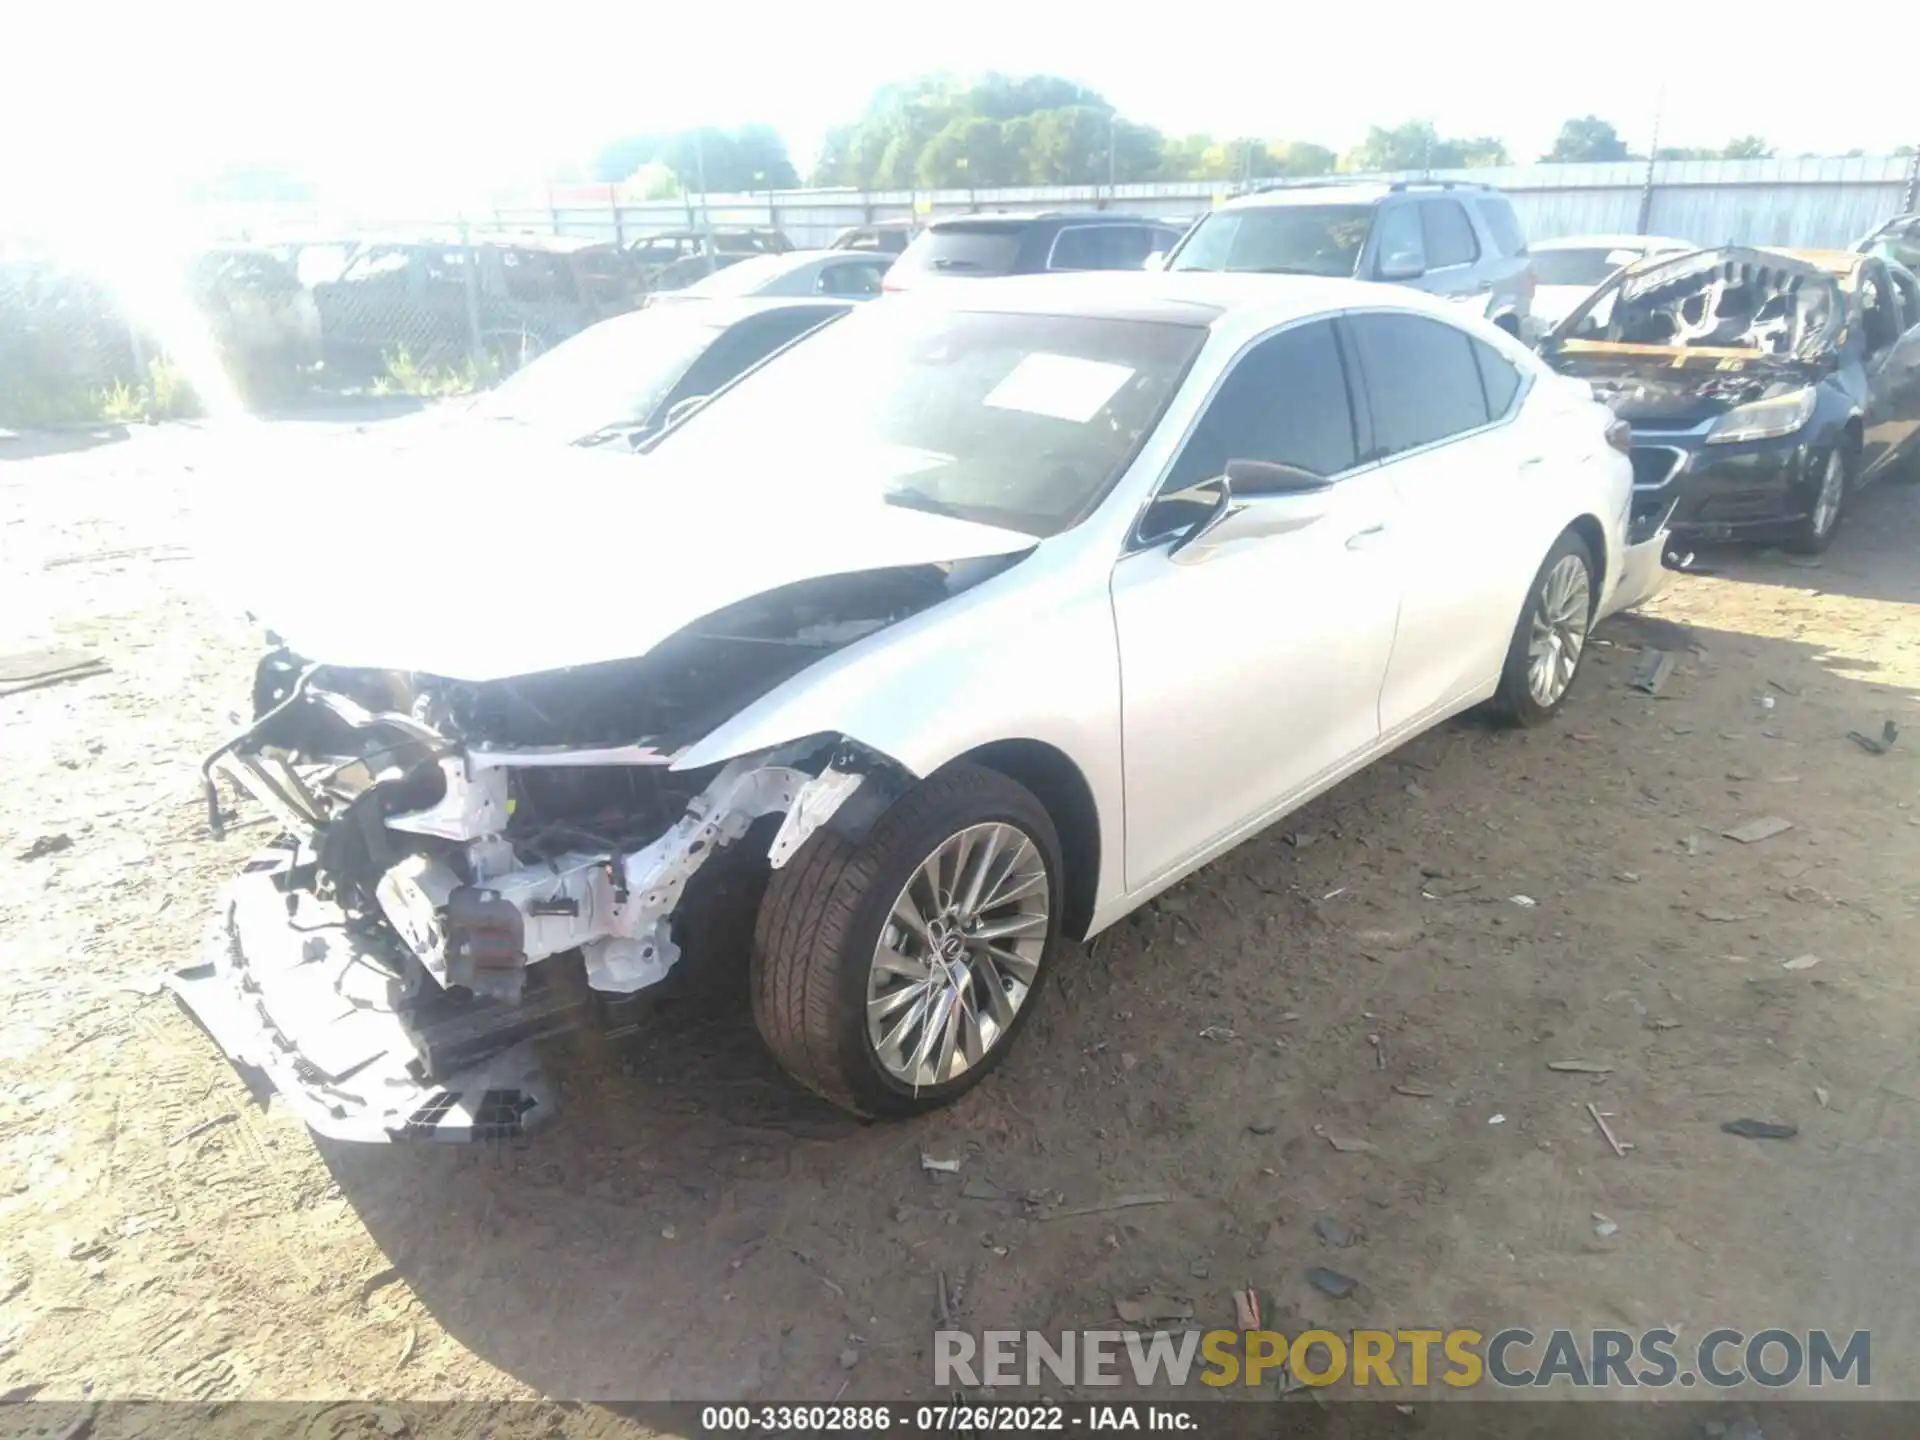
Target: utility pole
<point>700,178</point>
<point>1113,136</point>
<point>1653,149</point>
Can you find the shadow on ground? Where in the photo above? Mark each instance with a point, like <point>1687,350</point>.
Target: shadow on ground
<point>38,444</point>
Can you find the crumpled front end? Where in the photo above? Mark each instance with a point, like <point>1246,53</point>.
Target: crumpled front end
<point>466,869</point>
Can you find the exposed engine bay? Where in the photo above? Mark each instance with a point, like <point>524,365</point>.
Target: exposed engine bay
<point>443,838</point>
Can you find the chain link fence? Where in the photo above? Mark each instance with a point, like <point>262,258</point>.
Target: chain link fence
<point>418,313</point>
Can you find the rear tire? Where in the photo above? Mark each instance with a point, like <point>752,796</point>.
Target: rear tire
<point>833,910</point>
<point>1550,638</point>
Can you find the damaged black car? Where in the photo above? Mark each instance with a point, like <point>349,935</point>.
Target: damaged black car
<point>1763,387</point>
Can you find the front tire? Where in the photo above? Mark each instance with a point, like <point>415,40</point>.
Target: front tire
<point>1551,636</point>
<point>890,976</point>
<point>1829,505</point>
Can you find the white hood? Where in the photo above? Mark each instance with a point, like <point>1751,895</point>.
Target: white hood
<point>478,557</point>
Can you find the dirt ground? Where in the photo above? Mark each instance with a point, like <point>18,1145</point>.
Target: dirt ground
<point>693,1227</point>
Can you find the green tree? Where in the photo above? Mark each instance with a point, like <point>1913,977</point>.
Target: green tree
<point>1684,152</point>
<point>966,152</point>
<point>1415,145</point>
<point>753,157</point>
<point>1587,138</point>
<point>1747,147</point>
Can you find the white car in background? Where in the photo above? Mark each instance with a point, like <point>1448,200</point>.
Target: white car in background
<point>974,622</point>
<point>838,274</point>
<point>1566,271</point>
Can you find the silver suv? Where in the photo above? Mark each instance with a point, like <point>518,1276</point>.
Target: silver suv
<point>1448,237</point>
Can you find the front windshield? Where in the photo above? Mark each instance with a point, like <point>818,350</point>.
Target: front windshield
<point>1018,421</point>
<point>613,373</point>
<point>1279,240</point>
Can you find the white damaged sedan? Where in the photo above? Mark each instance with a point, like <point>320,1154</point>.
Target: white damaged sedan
<point>971,624</point>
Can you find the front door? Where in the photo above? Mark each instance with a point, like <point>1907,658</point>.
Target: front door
<point>1249,672</point>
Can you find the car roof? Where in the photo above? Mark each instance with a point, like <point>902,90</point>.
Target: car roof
<point>1193,297</point>
<point>1614,242</point>
<point>1030,217</point>
<point>1840,263</point>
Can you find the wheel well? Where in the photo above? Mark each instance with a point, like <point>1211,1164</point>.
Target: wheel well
<point>1056,782</point>
<point>1595,539</point>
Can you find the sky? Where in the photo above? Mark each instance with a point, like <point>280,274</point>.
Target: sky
<point>425,97</point>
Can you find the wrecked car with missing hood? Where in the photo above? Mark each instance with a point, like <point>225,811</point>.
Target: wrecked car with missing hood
<point>1763,387</point>
<point>861,624</point>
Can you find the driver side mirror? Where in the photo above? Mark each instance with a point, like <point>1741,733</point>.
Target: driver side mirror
<point>1402,265</point>
<point>1255,498</point>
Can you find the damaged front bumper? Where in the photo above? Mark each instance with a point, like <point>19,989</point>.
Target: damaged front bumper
<point>383,965</point>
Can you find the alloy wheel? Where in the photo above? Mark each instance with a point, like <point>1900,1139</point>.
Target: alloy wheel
<point>958,955</point>
<point>1558,630</point>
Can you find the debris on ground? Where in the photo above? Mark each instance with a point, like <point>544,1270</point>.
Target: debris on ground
<point>1525,902</point>
<point>849,1358</point>
<point>1889,733</point>
<point>204,1126</point>
<point>1749,1129</point>
<point>1121,1202</point>
<point>1722,917</point>
<point>1822,1094</point>
<point>1152,1309</point>
<point>30,669</point>
<point>1349,1146</point>
<point>1754,831</point>
<point>1604,1227</point>
<point>1496,1119</point>
<point>1219,1032</point>
<point>1600,1118</point>
<point>1262,1127</point>
<point>1652,670</point>
<point>1334,1232</point>
<point>1800,962</point>
<point>1246,1309</point>
<point>43,845</point>
<point>938,1166</point>
<point>1579,1067</point>
<point>979,1187</point>
<point>1784,688</point>
<point>1417,1091</point>
<point>1627,877</point>
<point>1332,1282</point>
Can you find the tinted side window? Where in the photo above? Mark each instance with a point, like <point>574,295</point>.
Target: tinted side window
<point>1448,234</point>
<point>1086,247</point>
<point>855,277</point>
<point>1397,234</point>
<point>1422,382</point>
<point>1285,401</point>
<point>1497,377</point>
<point>1502,224</point>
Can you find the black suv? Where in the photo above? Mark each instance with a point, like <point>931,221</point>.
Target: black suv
<point>971,247</point>
<point>441,299</point>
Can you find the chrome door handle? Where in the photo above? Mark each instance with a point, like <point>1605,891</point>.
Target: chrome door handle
<point>1360,539</point>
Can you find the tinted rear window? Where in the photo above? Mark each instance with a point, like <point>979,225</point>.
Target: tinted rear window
<point>966,249</point>
<point>1502,224</point>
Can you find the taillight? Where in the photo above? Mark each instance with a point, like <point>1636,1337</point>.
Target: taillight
<point>1620,436</point>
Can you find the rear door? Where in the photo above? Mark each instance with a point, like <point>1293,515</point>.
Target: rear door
<point>1442,404</point>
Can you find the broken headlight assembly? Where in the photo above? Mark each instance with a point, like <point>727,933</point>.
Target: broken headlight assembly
<point>1766,419</point>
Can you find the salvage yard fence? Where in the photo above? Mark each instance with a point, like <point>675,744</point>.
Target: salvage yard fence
<point>1815,202</point>
<point>457,310</point>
